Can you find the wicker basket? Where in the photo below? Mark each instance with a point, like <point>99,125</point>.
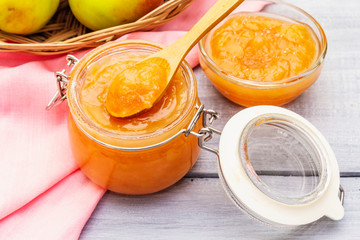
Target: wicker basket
<point>64,33</point>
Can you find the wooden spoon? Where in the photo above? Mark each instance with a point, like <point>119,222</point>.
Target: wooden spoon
<point>139,87</point>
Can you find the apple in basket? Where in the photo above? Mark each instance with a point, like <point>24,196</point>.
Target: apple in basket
<point>100,14</point>
<point>26,16</point>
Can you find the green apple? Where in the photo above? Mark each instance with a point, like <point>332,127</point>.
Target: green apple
<point>26,16</point>
<point>100,14</point>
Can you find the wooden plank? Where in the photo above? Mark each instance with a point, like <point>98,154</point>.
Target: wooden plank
<point>199,209</point>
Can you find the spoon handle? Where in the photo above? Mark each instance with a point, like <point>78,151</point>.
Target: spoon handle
<point>215,14</point>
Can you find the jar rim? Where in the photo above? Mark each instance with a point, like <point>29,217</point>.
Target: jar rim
<point>87,126</point>
<point>274,84</point>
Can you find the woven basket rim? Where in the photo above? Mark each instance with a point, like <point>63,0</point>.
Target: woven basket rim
<point>162,14</point>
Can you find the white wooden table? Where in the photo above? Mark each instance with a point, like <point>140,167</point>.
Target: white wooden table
<point>197,206</point>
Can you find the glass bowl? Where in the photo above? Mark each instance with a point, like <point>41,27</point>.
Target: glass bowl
<point>249,92</point>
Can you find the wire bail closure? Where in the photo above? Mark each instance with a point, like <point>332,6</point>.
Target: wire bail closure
<point>62,82</point>
<point>206,133</point>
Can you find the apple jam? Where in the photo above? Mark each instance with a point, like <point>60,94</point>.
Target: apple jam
<point>137,87</point>
<point>263,58</point>
<point>125,155</point>
<point>94,93</point>
<point>263,48</point>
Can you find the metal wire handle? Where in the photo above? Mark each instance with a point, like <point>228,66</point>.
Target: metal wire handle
<point>62,82</point>
<point>206,133</point>
<point>341,195</point>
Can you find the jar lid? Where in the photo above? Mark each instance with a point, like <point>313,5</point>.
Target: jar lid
<point>278,167</point>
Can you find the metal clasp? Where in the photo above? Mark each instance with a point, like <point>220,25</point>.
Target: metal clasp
<point>341,195</point>
<point>62,82</point>
<point>206,133</point>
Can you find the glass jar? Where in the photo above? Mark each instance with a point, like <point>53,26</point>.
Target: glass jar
<point>131,163</point>
<point>249,92</point>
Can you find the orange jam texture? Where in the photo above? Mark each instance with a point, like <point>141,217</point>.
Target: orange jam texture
<point>262,48</point>
<point>137,88</point>
<point>94,92</point>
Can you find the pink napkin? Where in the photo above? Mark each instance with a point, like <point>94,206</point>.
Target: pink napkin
<point>43,193</point>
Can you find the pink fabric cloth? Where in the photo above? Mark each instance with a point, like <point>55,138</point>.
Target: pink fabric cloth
<point>43,195</point>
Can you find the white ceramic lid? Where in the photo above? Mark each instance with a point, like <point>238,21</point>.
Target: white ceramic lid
<point>242,182</point>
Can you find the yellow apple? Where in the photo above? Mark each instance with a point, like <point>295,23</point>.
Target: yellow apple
<point>100,14</point>
<point>26,16</point>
